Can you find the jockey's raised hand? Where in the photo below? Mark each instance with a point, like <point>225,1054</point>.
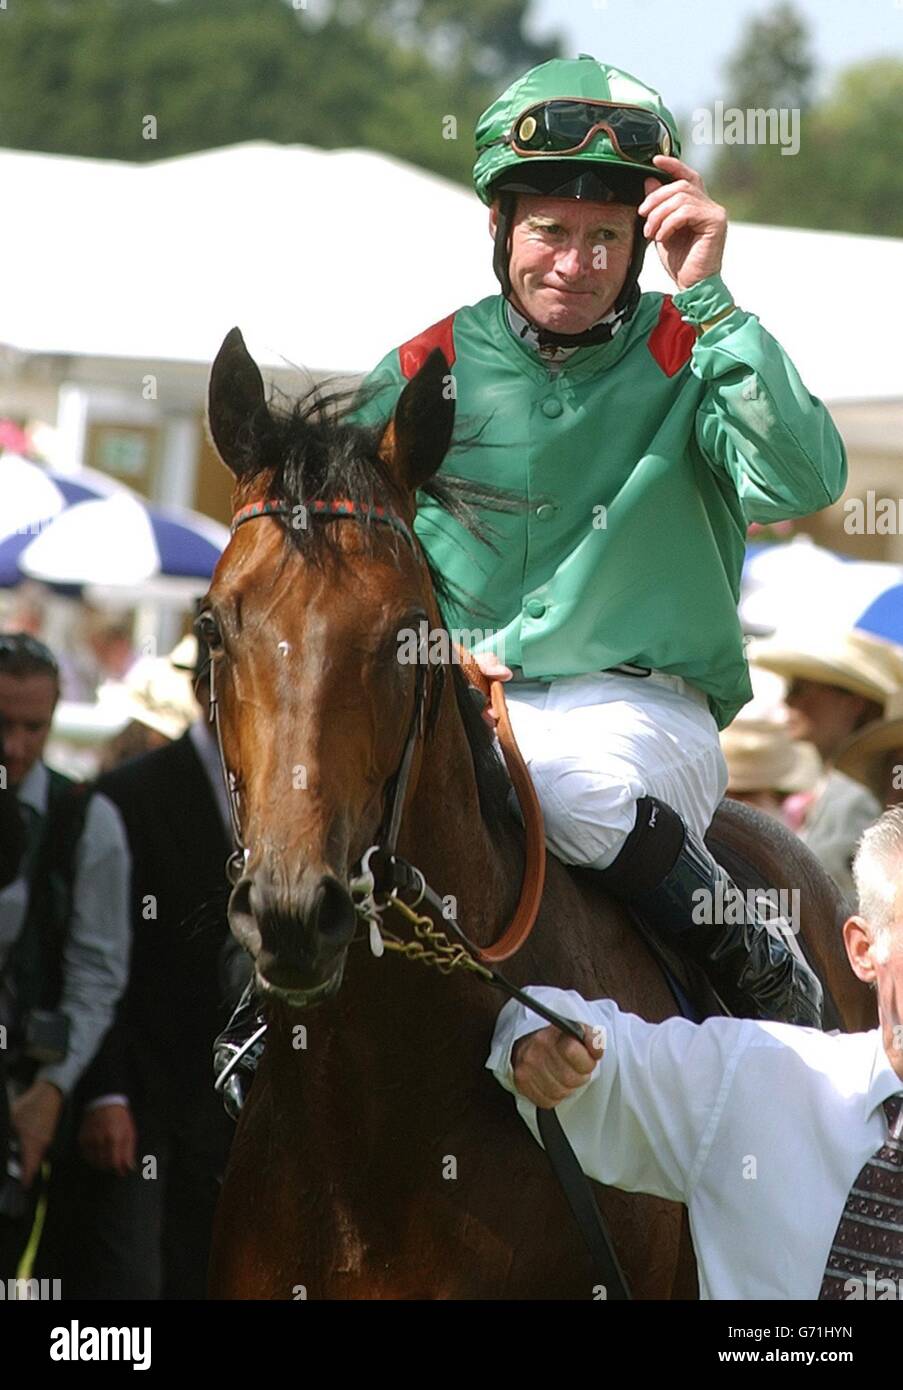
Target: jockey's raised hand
<point>689,228</point>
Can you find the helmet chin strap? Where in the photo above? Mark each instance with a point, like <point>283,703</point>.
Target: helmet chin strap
<point>605,329</point>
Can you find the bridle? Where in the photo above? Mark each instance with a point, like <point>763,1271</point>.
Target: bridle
<point>387,835</point>
<point>383,877</point>
<point>382,873</point>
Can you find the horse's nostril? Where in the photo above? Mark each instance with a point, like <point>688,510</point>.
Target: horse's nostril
<point>333,914</point>
<point>243,916</point>
<point>302,934</point>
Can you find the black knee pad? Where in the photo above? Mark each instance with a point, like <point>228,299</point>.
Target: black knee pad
<point>650,851</point>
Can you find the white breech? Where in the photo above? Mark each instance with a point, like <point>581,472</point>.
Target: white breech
<point>595,744</point>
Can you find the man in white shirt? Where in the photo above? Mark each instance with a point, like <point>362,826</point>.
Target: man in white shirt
<point>763,1130</point>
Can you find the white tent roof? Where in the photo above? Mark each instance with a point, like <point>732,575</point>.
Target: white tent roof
<point>330,258</point>
<point>832,300</point>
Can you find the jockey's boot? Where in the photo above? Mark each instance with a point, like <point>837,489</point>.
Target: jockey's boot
<point>237,1051</point>
<point>667,876</point>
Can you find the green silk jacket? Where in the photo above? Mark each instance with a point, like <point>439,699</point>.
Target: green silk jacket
<point>641,461</point>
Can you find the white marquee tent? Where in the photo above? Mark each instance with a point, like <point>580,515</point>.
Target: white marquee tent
<point>330,258</point>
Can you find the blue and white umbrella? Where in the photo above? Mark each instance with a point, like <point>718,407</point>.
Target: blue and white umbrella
<point>121,541</point>
<point>884,615</point>
<point>31,497</point>
<point>797,584</point>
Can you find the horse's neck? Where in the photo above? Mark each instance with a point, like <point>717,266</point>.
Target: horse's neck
<point>443,833</point>
<point>398,1029</point>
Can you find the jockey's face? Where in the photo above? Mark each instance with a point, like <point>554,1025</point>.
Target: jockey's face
<point>569,259</point>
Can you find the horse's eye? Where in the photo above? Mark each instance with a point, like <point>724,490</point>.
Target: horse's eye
<point>207,629</point>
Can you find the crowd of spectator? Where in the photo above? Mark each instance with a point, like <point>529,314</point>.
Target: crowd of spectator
<point>116,973</point>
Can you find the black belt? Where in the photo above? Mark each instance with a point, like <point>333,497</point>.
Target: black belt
<point>626,668</point>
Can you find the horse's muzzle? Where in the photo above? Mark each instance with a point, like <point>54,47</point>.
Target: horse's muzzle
<point>297,938</point>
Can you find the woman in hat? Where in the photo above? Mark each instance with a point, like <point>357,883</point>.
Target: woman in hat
<point>765,764</point>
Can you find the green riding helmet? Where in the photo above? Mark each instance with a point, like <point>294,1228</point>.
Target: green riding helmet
<point>538,137</point>
<point>570,79</point>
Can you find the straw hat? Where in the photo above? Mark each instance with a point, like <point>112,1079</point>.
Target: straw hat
<point>853,660</point>
<point>864,755</point>
<point>153,693</point>
<point>761,756</point>
<point>184,654</point>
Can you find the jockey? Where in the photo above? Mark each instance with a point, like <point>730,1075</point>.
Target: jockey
<point>645,432</point>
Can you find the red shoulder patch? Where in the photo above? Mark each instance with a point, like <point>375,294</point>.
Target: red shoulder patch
<point>671,340</point>
<point>413,354</point>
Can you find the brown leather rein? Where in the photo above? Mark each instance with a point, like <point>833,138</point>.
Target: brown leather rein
<point>533,881</point>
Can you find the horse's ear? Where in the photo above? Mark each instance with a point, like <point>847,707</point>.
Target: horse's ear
<point>235,394</point>
<point>418,436</point>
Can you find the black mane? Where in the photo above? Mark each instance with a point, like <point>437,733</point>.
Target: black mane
<point>314,453</point>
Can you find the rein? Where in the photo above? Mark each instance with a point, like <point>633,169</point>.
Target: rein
<point>383,876</point>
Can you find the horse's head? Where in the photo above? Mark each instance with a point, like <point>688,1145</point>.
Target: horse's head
<point>303,621</point>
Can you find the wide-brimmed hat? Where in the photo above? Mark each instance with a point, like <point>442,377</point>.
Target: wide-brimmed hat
<point>864,755</point>
<point>852,660</point>
<point>184,655</point>
<point>154,693</point>
<point>761,756</point>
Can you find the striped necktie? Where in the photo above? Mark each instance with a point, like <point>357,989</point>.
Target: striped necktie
<point>868,1244</point>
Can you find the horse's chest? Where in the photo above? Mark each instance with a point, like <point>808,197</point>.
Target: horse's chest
<point>431,1250</point>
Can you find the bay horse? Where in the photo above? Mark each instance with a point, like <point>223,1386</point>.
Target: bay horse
<point>376,1157</point>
